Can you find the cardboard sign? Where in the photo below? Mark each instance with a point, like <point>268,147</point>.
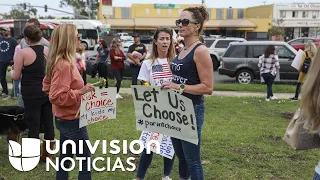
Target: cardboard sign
<point>166,147</point>
<point>98,106</point>
<point>297,60</point>
<point>166,112</point>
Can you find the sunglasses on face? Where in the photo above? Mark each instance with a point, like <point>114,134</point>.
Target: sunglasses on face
<point>185,22</point>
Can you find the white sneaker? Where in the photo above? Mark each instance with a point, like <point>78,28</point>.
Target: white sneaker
<point>273,97</point>
<point>117,96</point>
<point>267,99</point>
<point>166,178</point>
<point>120,96</point>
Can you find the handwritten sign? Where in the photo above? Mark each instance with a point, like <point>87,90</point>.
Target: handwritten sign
<point>98,106</point>
<point>297,60</point>
<point>166,112</point>
<point>166,147</point>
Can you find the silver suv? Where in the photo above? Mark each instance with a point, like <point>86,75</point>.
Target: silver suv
<point>241,60</point>
<point>217,47</point>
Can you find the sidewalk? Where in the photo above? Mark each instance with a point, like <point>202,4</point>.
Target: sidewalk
<point>222,93</point>
<point>232,94</point>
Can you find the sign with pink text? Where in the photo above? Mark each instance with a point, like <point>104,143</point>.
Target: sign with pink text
<point>166,147</point>
<point>98,105</point>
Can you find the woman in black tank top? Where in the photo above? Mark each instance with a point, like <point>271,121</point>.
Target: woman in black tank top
<point>192,73</point>
<point>38,109</point>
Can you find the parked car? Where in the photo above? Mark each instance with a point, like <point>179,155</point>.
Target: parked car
<point>241,60</point>
<point>91,57</point>
<point>91,62</point>
<point>146,39</point>
<point>300,43</point>
<point>126,45</point>
<point>217,47</point>
<point>125,36</point>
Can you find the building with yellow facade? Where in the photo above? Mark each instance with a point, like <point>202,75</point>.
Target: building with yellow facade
<point>250,23</point>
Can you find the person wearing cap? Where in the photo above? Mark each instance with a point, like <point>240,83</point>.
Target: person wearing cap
<point>137,53</point>
<point>7,47</point>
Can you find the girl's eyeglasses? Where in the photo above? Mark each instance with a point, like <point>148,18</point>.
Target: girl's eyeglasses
<point>185,22</point>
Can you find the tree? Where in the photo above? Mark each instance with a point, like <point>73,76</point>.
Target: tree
<point>80,6</point>
<point>277,28</point>
<point>47,17</point>
<point>18,12</point>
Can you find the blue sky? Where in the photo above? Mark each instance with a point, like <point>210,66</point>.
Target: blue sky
<point>209,3</point>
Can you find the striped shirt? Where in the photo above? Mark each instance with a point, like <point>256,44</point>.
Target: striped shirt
<point>269,65</point>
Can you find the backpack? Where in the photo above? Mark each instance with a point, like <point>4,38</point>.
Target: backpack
<point>306,64</point>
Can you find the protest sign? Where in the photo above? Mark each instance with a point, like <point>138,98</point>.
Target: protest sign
<point>166,112</point>
<point>166,147</point>
<point>297,60</point>
<point>97,106</point>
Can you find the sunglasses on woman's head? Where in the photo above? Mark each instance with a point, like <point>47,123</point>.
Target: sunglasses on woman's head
<point>185,22</point>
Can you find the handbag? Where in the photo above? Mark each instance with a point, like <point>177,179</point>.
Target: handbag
<point>298,137</point>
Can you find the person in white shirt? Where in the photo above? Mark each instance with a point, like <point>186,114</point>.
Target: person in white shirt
<point>154,71</point>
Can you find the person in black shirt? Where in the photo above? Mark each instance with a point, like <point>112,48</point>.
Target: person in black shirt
<point>30,63</point>
<point>137,53</point>
<point>7,47</point>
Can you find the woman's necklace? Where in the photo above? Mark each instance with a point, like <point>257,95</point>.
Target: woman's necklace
<point>191,44</point>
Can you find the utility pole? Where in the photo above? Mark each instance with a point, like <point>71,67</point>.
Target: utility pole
<point>203,2</point>
<point>89,8</point>
<point>264,2</point>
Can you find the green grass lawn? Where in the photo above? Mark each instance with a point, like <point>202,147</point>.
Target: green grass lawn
<point>241,140</point>
<point>253,87</point>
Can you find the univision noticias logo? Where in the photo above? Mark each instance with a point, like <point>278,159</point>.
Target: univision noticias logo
<point>26,156</point>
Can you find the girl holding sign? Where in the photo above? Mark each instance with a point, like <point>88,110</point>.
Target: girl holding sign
<point>65,87</point>
<point>156,70</point>
<point>192,70</point>
<point>309,52</point>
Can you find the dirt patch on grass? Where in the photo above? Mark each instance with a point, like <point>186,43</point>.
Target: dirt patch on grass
<point>287,115</point>
<point>271,137</point>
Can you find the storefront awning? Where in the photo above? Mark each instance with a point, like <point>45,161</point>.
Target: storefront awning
<point>154,22</point>
<point>237,23</point>
<point>121,23</point>
<point>212,24</point>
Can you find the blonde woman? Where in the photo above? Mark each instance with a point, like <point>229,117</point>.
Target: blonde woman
<point>310,51</point>
<point>163,53</point>
<point>310,101</point>
<point>117,66</point>
<point>65,86</point>
<point>81,61</point>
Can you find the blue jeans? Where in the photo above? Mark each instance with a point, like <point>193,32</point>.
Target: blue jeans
<point>69,130</point>
<point>268,79</point>
<point>134,74</point>
<point>3,74</point>
<point>188,153</point>
<point>316,176</point>
<point>15,90</point>
<point>145,161</point>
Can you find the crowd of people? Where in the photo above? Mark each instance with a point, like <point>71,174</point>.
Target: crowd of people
<point>50,79</point>
<point>53,78</point>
